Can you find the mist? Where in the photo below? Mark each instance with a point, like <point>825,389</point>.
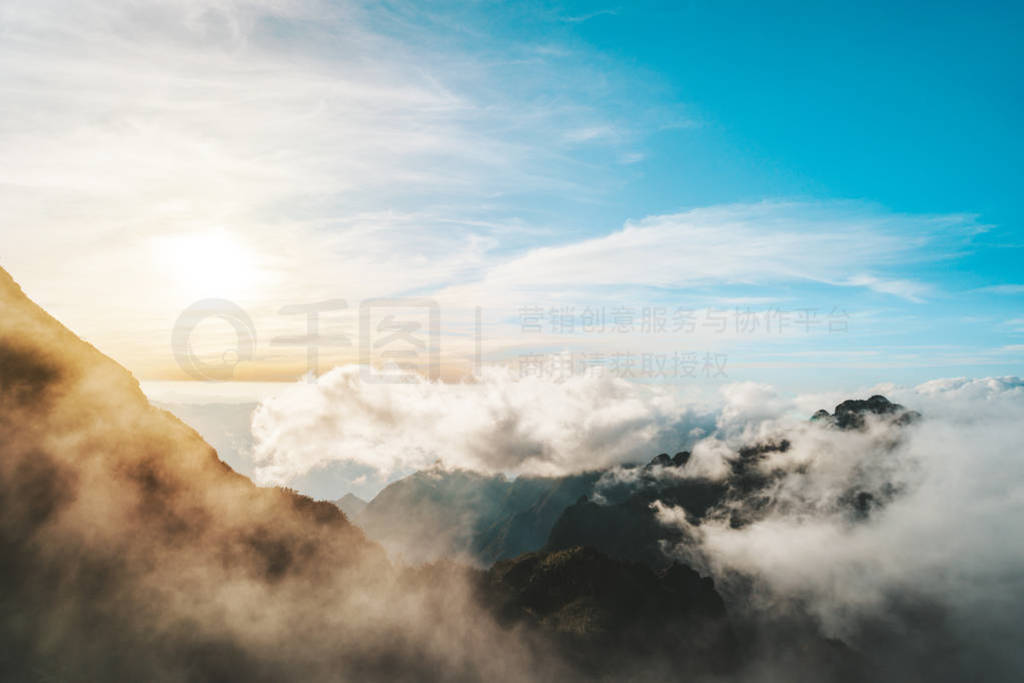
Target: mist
<point>501,423</point>
<point>131,552</point>
<point>892,533</point>
<point>927,571</point>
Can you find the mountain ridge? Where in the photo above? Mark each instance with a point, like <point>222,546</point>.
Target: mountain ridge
<point>488,518</point>
<point>133,552</point>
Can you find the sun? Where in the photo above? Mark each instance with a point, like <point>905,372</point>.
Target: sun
<point>208,264</point>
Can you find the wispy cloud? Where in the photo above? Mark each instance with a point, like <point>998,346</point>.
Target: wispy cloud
<point>294,151</point>
<point>1002,289</point>
<point>591,133</point>
<point>580,18</point>
<point>906,289</point>
<point>756,244</point>
<point>342,147</point>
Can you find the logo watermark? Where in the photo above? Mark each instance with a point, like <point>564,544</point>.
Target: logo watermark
<point>181,339</point>
<point>399,338</point>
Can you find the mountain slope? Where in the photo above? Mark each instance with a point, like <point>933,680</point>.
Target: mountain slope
<point>443,513</point>
<point>352,505</point>
<point>618,620</point>
<point>131,552</point>
<point>625,525</point>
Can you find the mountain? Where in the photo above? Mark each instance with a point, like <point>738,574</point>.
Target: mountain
<point>352,505</point>
<point>854,413</point>
<point>443,513</point>
<point>617,620</point>
<point>131,552</point>
<point>483,519</point>
<point>624,524</point>
<point>225,426</point>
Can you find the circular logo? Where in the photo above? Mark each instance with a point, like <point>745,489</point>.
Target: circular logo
<point>181,339</point>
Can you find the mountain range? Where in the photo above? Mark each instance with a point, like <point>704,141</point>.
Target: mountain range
<point>488,518</point>
<point>132,552</point>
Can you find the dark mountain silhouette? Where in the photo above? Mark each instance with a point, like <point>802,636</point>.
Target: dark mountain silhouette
<point>617,619</point>
<point>853,413</point>
<point>624,525</point>
<point>131,552</point>
<point>441,513</point>
<point>437,513</point>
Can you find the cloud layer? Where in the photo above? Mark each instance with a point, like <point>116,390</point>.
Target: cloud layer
<point>945,542</point>
<point>873,534</point>
<point>764,243</point>
<point>502,423</point>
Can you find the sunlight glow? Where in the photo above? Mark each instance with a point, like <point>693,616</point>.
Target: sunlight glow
<point>208,264</point>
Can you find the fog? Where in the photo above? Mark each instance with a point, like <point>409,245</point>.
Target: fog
<point>132,553</point>
<point>936,558</point>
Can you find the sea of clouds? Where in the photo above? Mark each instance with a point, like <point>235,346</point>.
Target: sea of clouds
<point>943,553</point>
<point>501,423</point>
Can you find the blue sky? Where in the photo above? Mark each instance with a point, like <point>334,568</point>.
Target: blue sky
<point>910,107</point>
<point>864,159</point>
<point>913,106</point>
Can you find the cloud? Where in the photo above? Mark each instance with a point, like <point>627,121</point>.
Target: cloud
<point>589,15</point>
<point>761,243</point>
<point>943,393</point>
<point>748,403</point>
<point>873,532</point>
<point>947,537</point>
<point>288,152</point>
<point>298,151</point>
<point>905,289</point>
<point>340,146</point>
<point>1015,324</point>
<point>591,134</point>
<point>502,423</point>
<point>1002,289</point>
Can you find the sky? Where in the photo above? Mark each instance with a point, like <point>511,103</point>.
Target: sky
<point>689,194</point>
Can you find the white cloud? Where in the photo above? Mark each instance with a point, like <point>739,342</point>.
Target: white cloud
<point>340,146</point>
<point>954,399</point>
<point>950,534</point>
<point>589,15</point>
<point>502,423</point>
<point>347,154</point>
<point>764,243</point>
<point>1002,289</point>
<point>591,134</point>
<point>749,403</point>
<point>906,289</point>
